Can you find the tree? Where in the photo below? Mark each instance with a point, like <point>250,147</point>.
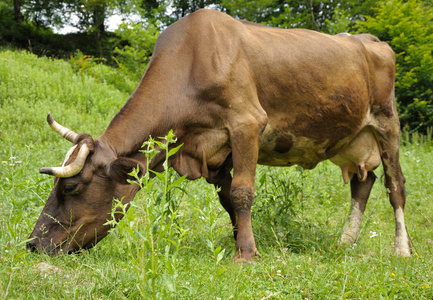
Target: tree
<point>91,14</point>
<point>39,12</point>
<point>44,13</point>
<point>312,14</point>
<point>153,12</point>
<point>254,11</point>
<point>408,27</point>
<point>166,12</point>
<point>87,16</point>
<point>18,16</point>
<point>135,55</point>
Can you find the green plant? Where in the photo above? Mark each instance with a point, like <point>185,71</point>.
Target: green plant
<point>88,65</point>
<point>153,250</point>
<point>209,215</point>
<point>134,57</point>
<point>408,28</point>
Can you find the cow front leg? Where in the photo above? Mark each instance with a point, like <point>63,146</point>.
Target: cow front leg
<point>237,201</point>
<point>242,199</point>
<point>245,139</point>
<point>360,191</point>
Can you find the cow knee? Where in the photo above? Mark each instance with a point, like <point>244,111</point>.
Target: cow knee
<point>241,198</point>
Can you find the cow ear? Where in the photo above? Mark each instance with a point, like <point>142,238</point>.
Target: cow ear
<point>119,169</point>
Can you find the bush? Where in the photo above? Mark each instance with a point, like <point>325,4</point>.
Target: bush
<point>95,67</point>
<point>408,27</point>
<point>134,57</point>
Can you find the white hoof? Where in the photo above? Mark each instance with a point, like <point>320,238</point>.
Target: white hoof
<point>348,239</point>
<point>403,252</point>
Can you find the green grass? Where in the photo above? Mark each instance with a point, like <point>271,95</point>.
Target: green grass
<point>296,230</point>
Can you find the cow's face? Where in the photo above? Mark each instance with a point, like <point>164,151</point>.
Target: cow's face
<point>81,201</point>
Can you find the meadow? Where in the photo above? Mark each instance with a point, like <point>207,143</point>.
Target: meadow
<point>175,241</point>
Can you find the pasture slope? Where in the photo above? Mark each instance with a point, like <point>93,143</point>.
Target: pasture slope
<point>297,218</point>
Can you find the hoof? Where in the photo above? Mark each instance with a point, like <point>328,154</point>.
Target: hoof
<point>243,261</point>
<point>403,252</point>
<point>402,245</point>
<point>246,259</point>
<point>347,239</point>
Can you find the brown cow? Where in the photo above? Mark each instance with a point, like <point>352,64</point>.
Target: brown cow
<point>237,94</point>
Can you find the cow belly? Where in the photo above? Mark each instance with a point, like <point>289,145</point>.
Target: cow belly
<point>359,157</point>
<point>284,149</point>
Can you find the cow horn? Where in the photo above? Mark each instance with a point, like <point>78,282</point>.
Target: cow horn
<point>63,131</point>
<point>72,169</point>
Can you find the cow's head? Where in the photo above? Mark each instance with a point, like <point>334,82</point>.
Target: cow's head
<point>84,187</point>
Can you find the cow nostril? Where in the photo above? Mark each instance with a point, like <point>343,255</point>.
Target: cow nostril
<point>31,247</point>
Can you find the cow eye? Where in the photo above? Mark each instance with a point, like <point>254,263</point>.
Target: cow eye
<point>69,188</point>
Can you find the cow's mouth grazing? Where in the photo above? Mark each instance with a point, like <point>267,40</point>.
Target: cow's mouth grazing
<point>55,250</point>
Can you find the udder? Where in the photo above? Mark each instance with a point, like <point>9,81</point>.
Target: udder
<point>359,157</point>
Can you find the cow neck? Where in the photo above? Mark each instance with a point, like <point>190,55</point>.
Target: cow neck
<point>144,114</point>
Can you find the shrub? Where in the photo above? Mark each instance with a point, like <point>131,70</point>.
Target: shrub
<point>134,57</point>
<point>408,27</point>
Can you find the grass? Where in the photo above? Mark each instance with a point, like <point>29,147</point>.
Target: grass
<point>297,219</point>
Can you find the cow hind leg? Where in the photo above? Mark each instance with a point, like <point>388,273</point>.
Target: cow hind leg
<point>360,191</point>
<point>394,181</point>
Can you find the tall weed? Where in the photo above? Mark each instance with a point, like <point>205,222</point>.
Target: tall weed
<point>416,139</point>
<point>153,249</point>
